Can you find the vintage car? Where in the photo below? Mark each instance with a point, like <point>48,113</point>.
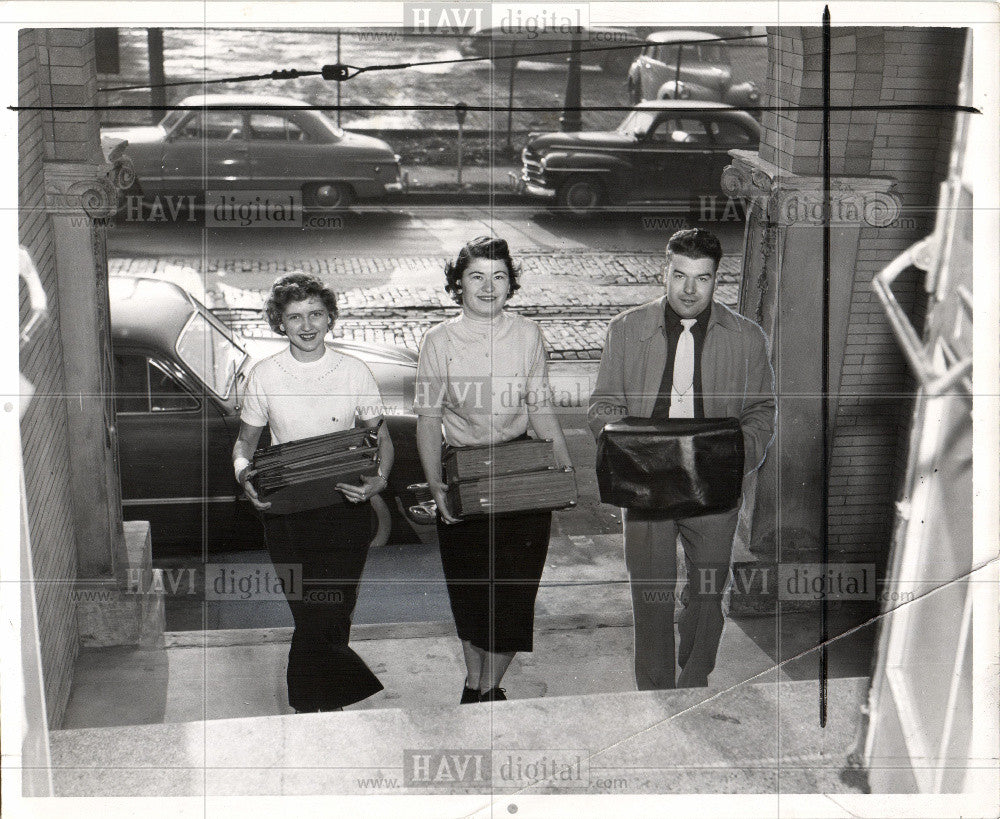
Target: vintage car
<point>243,142</point>
<point>670,152</point>
<point>178,374</point>
<point>687,65</point>
<point>504,42</point>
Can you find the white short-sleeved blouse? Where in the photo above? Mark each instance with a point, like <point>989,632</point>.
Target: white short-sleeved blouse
<point>301,399</point>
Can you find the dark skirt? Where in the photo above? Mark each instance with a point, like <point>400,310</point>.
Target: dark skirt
<point>330,545</point>
<point>493,581</point>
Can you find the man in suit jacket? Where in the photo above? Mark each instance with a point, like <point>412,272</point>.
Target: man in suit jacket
<point>684,355</point>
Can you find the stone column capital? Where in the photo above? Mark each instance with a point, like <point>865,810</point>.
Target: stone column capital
<point>793,199</point>
<point>87,188</point>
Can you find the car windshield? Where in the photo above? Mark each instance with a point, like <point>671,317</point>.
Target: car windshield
<point>170,120</point>
<point>210,353</point>
<point>637,122</point>
<point>713,53</point>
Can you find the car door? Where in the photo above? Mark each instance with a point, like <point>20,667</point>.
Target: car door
<point>656,65</point>
<point>175,450</point>
<point>673,161</point>
<point>283,153</point>
<point>207,151</point>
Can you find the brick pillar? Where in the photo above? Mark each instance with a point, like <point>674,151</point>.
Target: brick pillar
<point>886,168</point>
<point>81,185</point>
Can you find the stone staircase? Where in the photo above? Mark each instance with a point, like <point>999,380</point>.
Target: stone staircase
<point>760,737</point>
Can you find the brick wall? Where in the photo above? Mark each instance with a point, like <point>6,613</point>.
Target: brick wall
<point>869,67</point>
<point>55,66</point>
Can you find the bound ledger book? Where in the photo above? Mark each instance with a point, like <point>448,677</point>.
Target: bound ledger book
<point>518,476</point>
<point>303,474</point>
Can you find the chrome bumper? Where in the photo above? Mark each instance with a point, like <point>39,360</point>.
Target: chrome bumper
<point>519,183</point>
<point>400,186</point>
<point>425,511</point>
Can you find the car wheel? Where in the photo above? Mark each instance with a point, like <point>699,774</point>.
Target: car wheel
<point>333,195</point>
<point>581,195</point>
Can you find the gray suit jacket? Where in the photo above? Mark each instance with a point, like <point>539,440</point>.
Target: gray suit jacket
<point>736,375</point>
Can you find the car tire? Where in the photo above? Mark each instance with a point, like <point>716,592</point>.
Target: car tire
<point>581,195</point>
<point>328,195</point>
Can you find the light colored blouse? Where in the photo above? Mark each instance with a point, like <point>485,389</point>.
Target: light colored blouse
<point>300,399</point>
<point>482,377</point>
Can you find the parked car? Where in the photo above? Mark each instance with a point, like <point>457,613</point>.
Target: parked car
<point>683,64</point>
<point>285,148</point>
<point>507,41</point>
<point>671,152</point>
<point>178,374</point>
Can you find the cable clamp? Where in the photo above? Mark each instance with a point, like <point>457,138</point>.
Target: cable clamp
<point>339,72</point>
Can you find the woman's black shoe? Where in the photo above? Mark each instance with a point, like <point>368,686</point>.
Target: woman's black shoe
<point>469,695</point>
<point>493,695</point>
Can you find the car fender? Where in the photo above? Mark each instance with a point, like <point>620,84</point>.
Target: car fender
<point>742,94</point>
<point>564,163</point>
<point>687,90</point>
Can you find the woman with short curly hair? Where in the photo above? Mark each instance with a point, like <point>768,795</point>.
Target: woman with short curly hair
<point>482,247</point>
<point>482,379</point>
<point>296,287</point>
<point>309,389</point>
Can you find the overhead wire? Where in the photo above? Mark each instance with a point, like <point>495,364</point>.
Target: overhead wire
<point>340,72</point>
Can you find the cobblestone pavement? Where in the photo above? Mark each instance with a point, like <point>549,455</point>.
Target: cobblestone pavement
<point>572,296</point>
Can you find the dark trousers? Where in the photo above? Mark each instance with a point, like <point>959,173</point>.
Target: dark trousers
<point>492,566</point>
<point>330,545</point>
<point>651,559</point>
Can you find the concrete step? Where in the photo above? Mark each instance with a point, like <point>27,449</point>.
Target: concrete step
<point>241,672</point>
<point>762,737</point>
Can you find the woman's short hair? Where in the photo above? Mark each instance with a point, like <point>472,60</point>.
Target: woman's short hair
<point>296,287</point>
<point>482,247</point>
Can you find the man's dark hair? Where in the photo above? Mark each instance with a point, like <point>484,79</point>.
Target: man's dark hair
<point>696,244</point>
<point>296,287</point>
<point>482,247</point>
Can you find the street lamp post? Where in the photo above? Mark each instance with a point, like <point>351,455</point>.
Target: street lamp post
<point>571,117</point>
<point>461,109</point>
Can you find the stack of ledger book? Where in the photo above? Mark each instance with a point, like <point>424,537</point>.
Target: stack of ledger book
<point>303,474</point>
<point>518,476</point>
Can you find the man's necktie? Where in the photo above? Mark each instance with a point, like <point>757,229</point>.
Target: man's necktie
<point>682,392</point>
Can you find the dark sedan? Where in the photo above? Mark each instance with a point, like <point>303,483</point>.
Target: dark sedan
<point>178,374</point>
<point>688,65</point>
<point>257,144</point>
<point>669,152</point>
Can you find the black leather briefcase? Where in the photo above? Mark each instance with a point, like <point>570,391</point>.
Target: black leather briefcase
<point>679,468</point>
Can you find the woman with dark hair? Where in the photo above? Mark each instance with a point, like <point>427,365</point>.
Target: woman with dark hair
<point>305,390</point>
<point>482,379</point>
